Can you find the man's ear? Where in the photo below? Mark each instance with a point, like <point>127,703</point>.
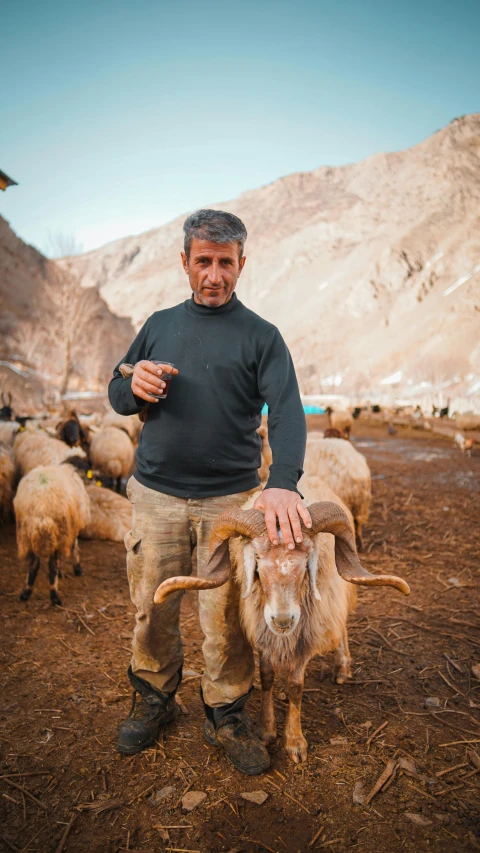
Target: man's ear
<point>184,261</point>
<point>242,262</point>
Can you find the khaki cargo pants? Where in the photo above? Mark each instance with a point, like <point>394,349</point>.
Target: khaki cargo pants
<point>165,530</point>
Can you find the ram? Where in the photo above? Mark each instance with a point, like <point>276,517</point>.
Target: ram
<point>293,604</point>
<point>51,508</point>
<point>346,471</point>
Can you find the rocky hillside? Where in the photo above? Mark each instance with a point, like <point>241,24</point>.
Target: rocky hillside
<point>31,327</point>
<point>371,270</point>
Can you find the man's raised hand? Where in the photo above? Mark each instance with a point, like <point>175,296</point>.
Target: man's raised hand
<point>146,380</point>
<point>287,506</point>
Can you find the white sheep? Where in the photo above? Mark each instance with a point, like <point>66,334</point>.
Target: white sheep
<point>34,448</point>
<point>51,508</point>
<point>346,471</point>
<point>294,604</point>
<point>7,480</point>
<point>112,454</point>
<point>110,515</point>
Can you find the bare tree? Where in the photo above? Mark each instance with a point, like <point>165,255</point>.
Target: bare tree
<point>74,308</point>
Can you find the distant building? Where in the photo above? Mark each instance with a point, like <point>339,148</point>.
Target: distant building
<point>5,181</point>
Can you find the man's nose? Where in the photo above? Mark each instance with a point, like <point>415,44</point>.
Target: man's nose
<point>215,274</point>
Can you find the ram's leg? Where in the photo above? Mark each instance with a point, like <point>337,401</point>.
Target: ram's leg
<point>343,660</point>
<point>77,569</point>
<point>295,743</point>
<point>33,567</point>
<point>53,579</point>
<point>266,729</point>
<point>118,485</point>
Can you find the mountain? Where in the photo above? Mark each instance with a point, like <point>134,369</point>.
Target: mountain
<point>31,344</point>
<point>370,270</point>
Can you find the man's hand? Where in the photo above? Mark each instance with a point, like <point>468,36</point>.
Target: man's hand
<point>287,506</point>
<point>146,379</point>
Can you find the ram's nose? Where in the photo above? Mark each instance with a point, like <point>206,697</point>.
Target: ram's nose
<point>282,623</point>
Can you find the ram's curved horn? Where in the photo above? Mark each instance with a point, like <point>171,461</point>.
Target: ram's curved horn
<point>328,517</point>
<point>232,522</point>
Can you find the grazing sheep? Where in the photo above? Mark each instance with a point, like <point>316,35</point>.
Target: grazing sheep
<point>110,515</point>
<point>294,604</point>
<point>33,448</point>
<point>7,480</point>
<point>8,431</point>
<point>51,508</point>
<point>342,421</point>
<point>112,453</point>
<point>264,469</point>
<point>346,471</point>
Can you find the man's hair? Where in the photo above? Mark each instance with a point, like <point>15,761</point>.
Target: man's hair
<point>217,226</point>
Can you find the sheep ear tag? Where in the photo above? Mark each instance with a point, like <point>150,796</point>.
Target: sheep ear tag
<point>89,474</point>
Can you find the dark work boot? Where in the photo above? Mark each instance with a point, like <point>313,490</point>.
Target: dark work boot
<point>150,710</point>
<point>231,728</point>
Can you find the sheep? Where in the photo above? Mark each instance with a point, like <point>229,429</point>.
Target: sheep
<point>8,431</point>
<point>131,424</point>
<point>7,480</point>
<point>264,469</point>
<point>110,515</point>
<point>346,471</point>
<point>342,421</point>
<point>112,453</point>
<point>294,604</point>
<point>51,508</point>
<point>33,448</point>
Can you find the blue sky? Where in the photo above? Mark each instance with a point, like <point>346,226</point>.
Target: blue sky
<point>119,116</point>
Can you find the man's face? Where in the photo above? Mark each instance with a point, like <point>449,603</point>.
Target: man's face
<point>213,270</point>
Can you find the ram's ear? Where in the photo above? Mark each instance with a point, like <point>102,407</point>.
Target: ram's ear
<point>312,565</point>
<point>249,567</point>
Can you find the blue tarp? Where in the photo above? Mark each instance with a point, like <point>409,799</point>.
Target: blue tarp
<point>309,410</point>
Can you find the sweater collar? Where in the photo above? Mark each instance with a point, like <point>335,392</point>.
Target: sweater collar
<point>203,311</point>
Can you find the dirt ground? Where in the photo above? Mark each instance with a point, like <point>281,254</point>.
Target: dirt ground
<point>64,690</point>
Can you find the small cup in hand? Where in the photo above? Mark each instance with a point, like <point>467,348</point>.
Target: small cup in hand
<point>165,377</point>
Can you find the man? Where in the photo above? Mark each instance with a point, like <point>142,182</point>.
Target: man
<point>198,455</point>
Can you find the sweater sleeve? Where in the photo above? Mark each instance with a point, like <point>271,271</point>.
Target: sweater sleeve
<point>287,431</point>
<point>122,399</point>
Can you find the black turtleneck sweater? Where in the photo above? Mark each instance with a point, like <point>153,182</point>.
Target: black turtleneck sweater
<point>201,441</point>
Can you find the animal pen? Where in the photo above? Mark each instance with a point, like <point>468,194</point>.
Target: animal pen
<point>394,752</point>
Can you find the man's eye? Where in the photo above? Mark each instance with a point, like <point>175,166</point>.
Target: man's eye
<point>226,262</point>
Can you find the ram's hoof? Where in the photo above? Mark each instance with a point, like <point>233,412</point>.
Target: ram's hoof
<point>296,748</point>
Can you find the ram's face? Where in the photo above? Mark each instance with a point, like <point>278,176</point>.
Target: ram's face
<point>282,576</point>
